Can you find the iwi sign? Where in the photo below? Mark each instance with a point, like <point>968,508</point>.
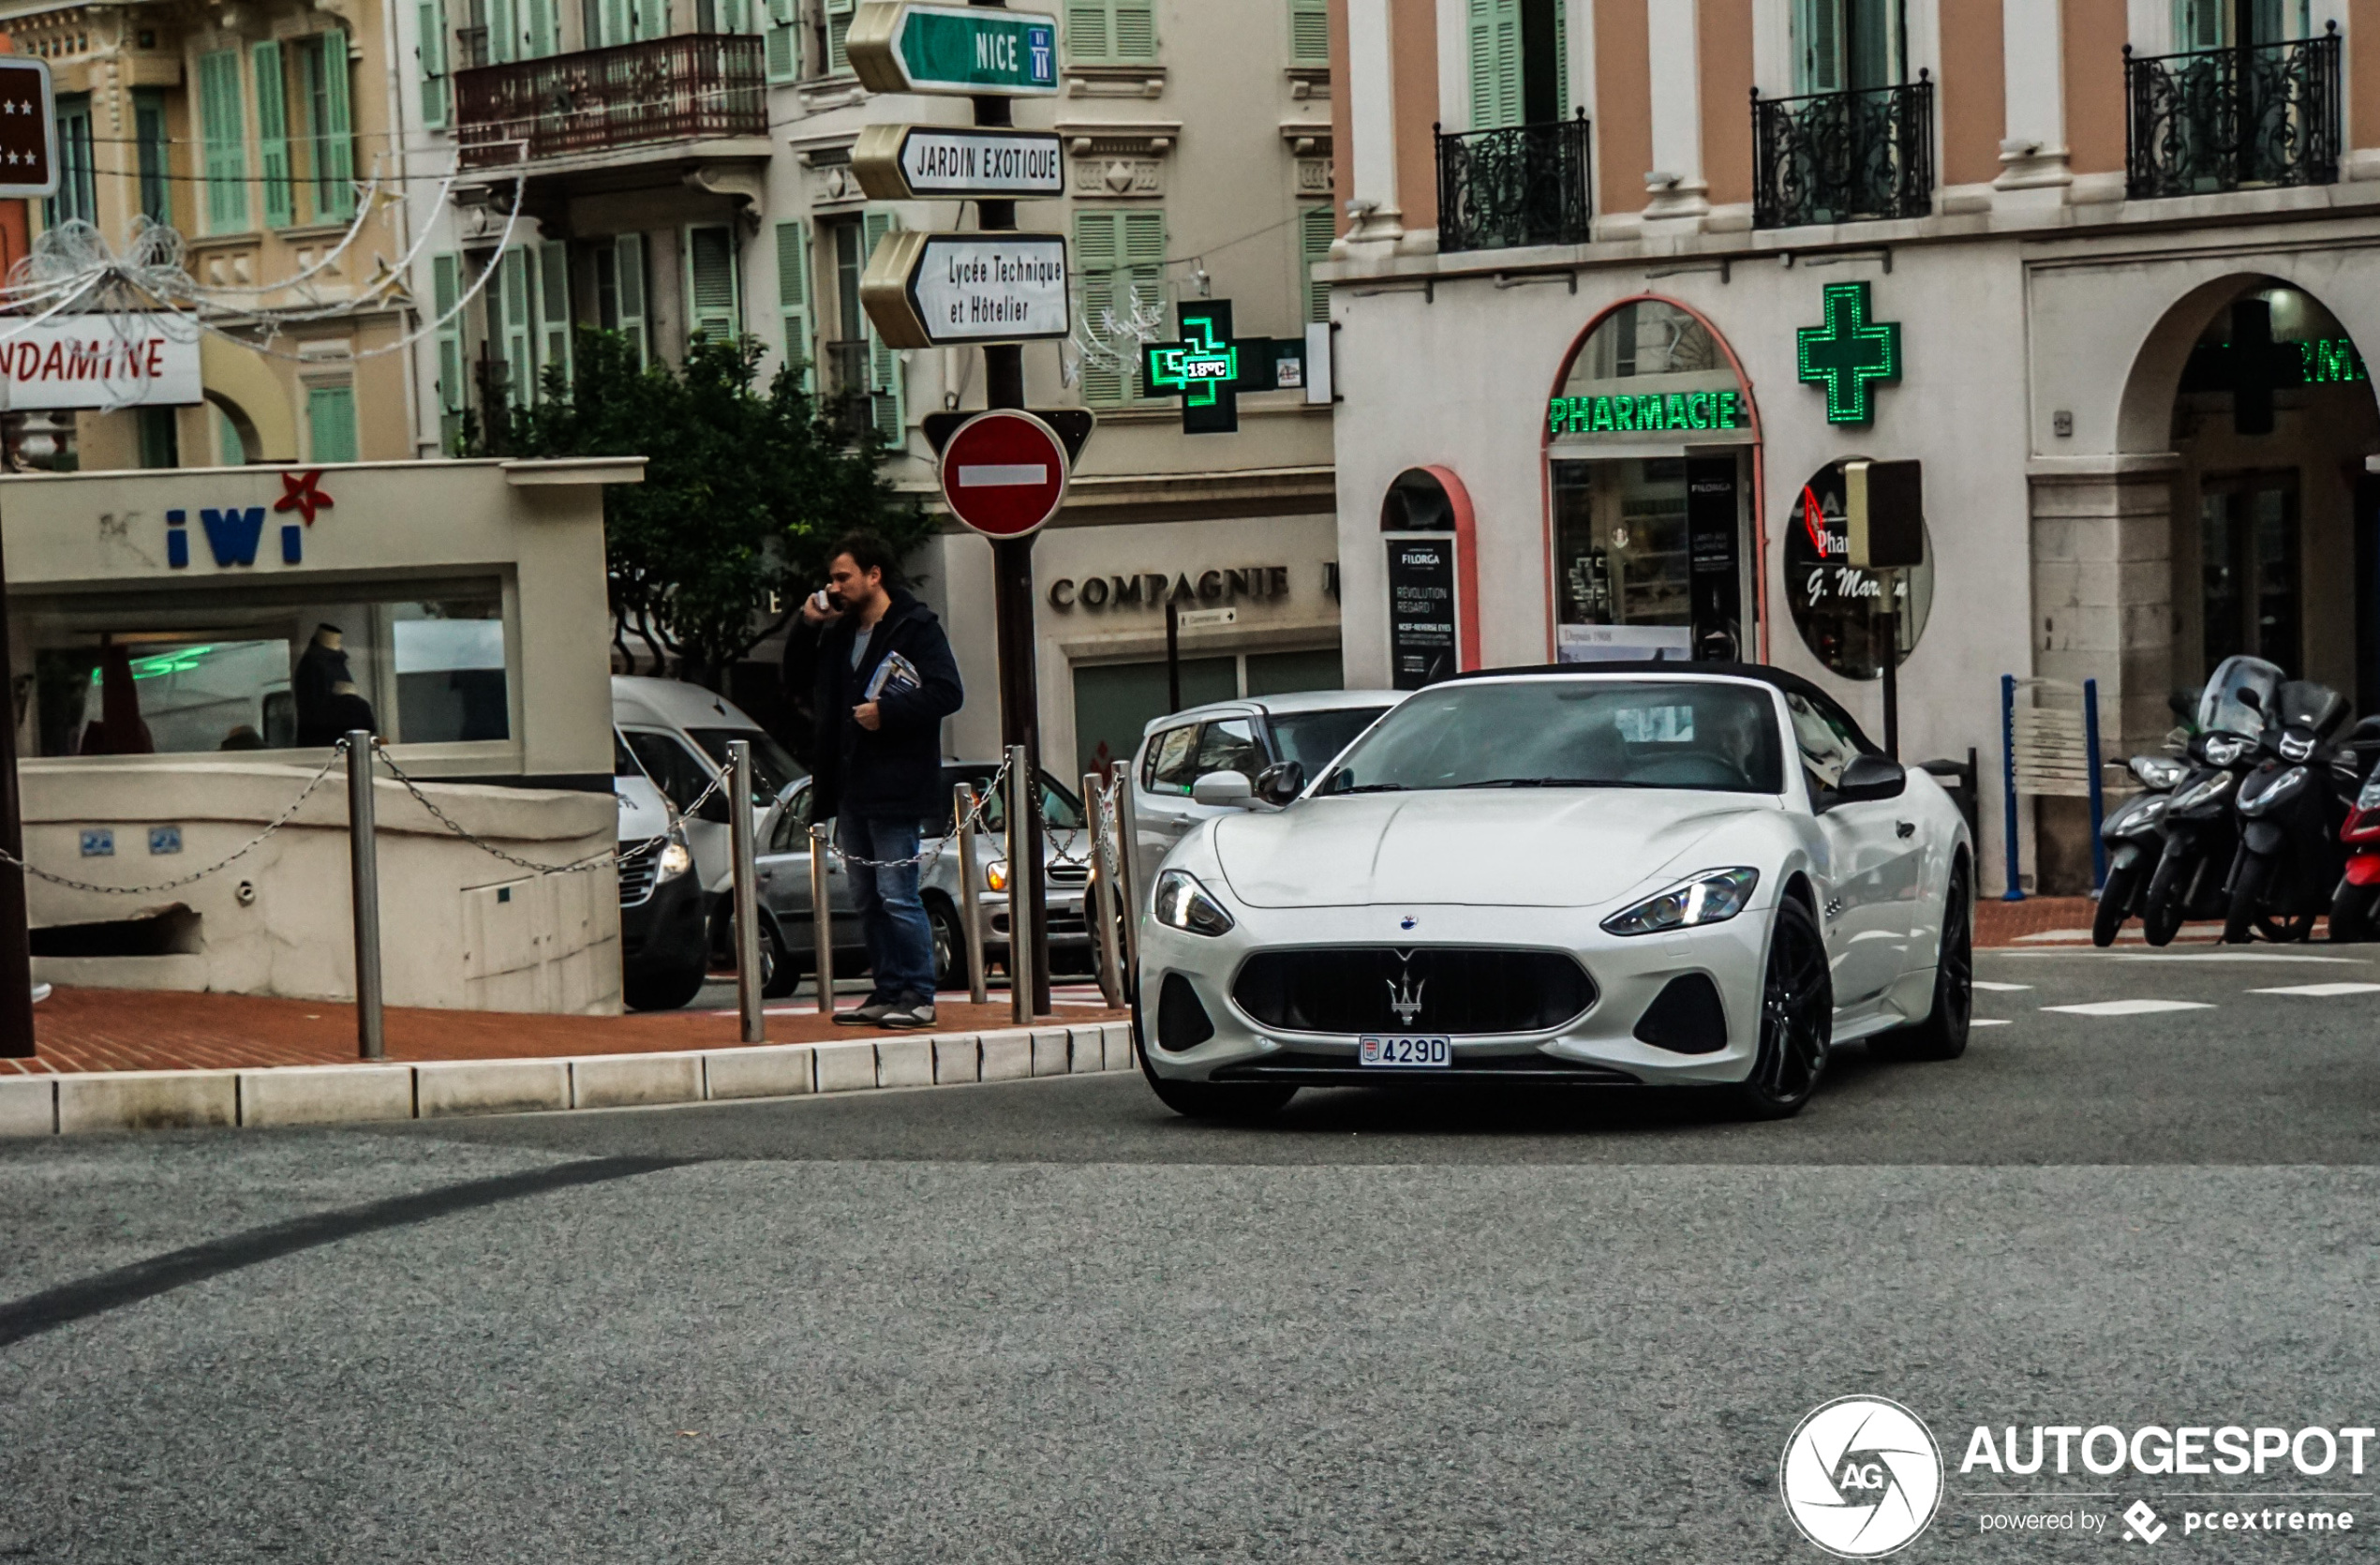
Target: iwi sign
<point>234,533</point>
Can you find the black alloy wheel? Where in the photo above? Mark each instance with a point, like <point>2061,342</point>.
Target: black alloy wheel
<point>779,972</point>
<point>2115,903</point>
<point>950,944</point>
<point>2248,886</point>
<point>1942,1036</point>
<point>1797,1018</point>
<point>2161,914</point>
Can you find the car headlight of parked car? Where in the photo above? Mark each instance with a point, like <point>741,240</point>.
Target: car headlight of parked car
<point>676,860</point>
<point>2159,772</point>
<point>1709,898</point>
<point>1182,904</point>
<point>996,875</point>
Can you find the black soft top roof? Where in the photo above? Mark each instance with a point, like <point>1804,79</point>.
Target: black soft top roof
<point>1766,674</point>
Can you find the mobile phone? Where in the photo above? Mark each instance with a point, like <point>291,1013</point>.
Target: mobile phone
<point>826,602</point>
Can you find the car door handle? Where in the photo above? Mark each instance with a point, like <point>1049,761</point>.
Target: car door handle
<point>1904,829</point>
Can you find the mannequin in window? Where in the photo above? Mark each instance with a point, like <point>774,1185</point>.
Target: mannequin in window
<point>328,703</point>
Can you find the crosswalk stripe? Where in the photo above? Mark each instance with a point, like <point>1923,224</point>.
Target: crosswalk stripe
<point>2131,1007</point>
<point>2322,992</point>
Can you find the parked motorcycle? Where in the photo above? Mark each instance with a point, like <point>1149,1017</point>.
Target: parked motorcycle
<point>2356,898</point>
<point>2201,828</point>
<point>2134,836</point>
<point>2292,807</point>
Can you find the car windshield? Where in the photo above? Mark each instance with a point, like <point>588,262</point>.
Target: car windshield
<point>772,768</point>
<point>1555,733</point>
<point>2220,707</point>
<point>1060,810</point>
<point>1313,738</point>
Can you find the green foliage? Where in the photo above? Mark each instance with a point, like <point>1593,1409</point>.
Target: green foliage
<point>745,490</point>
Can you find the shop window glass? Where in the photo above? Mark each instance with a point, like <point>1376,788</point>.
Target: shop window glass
<point>2248,557</point>
<point>272,669</point>
<point>1115,703</point>
<point>1284,673</point>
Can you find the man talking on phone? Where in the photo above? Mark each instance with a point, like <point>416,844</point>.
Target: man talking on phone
<point>882,680</point>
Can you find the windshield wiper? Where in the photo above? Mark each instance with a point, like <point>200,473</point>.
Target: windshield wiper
<point>1367,789</point>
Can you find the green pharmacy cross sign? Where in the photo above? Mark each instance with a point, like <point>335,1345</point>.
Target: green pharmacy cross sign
<point>1849,354</point>
<point>1210,368</point>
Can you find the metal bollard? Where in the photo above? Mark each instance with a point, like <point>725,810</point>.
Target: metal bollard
<point>1128,873</point>
<point>747,890</point>
<point>970,913</point>
<point>822,922</point>
<point>364,863</point>
<point>1099,897</point>
<point>1021,841</point>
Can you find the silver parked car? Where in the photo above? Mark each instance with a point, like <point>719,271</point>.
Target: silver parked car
<point>784,865</point>
<point>1247,735</point>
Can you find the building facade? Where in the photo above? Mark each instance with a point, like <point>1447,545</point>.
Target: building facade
<point>255,131</point>
<point>2102,267</point>
<point>684,166</point>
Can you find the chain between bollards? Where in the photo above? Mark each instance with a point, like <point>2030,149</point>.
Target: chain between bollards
<point>364,864</point>
<point>750,979</point>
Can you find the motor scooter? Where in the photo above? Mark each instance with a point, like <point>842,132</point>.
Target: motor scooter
<point>2356,898</point>
<point>2134,836</point>
<point>2292,808</point>
<point>2201,829</point>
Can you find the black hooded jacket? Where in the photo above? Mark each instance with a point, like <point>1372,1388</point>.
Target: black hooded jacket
<point>897,770</point>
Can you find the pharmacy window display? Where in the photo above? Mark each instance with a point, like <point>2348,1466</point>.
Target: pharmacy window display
<point>1649,443</point>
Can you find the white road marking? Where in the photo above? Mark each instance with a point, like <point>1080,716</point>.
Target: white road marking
<point>2244,956</point>
<point>2131,1007</point>
<point>2002,989</point>
<point>1988,1021</point>
<point>2322,992</point>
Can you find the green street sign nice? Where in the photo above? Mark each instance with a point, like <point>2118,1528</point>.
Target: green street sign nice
<point>911,46</point>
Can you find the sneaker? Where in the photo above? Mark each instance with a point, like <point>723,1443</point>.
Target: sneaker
<point>872,1014</point>
<point>910,1013</point>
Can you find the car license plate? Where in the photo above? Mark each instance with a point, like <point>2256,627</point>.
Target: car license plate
<point>1406,1052</point>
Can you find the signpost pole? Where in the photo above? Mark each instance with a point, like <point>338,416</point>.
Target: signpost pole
<point>16,944</point>
<point>1013,611</point>
<point>1886,582</point>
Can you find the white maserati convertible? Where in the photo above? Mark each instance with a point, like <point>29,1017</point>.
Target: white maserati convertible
<point>1637,874</point>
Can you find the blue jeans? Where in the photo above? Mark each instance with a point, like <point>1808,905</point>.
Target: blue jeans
<point>892,920</point>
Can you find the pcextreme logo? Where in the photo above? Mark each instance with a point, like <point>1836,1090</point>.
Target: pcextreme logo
<point>1861,1477</point>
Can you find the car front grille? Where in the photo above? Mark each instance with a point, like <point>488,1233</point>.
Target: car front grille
<point>1458,991</point>
<point>637,874</point>
<point>1069,874</point>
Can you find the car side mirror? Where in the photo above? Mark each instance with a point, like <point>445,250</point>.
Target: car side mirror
<point>1222,790</point>
<point>1281,781</point>
<point>1868,777</point>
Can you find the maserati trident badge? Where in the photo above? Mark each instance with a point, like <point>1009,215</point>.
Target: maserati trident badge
<point>1405,998</point>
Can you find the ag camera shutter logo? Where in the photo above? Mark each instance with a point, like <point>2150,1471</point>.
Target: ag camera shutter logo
<point>1861,1477</point>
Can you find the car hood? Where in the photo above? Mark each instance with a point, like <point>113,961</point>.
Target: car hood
<point>1548,848</point>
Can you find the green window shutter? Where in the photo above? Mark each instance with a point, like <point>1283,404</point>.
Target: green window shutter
<point>651,18</point>
<point>503,42</point>
<point>1136,29</point>
<point>732,16</point>
<point>1088,34</point>
<point>553,312</point>
<point>541,29</point>
<point>233,451</point>
<point>433,46</point>
<point>1496,63</point>
<point>1142,281</point>
<point>1310,32</point>
<point>1562,59</point>
<point>513,330</point>
<point>793,298</point>
<point>334,138</point>
<point>273,135</point>
<point>710,283</point>
<point>1818,46</point>
<point>781,48</point>
<point>1096,256</point>
<point>329,423</point>
<point>1316,228</point>
<point>446,292</point>
<point>628,268</point>
<point>225,141</point>
<point>884,380</point>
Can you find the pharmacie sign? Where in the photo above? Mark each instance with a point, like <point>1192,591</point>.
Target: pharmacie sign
<point>100,361</point>
<point>1653,411</point>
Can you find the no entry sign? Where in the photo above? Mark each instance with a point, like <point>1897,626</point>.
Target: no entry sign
<point>1004,474</point>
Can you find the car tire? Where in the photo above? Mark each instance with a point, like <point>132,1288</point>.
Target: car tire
<point>2246,897</point>
<point>1796,1018</point>
<point>1942,1036</point>
<point>2351,908</point>
<point>780,974</point>
<point>950,944</point>
<point>1210,1100</point>
<point>2115,904</point>
<point>2161,914</point>
<point>663,992</point>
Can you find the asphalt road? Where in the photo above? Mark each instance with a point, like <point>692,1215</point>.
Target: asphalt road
<point>1050,1321</point>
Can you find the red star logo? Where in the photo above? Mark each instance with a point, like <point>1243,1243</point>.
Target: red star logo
<point>300,495</point>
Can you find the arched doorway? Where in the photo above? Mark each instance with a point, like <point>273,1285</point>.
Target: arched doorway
<point>1652,473</point>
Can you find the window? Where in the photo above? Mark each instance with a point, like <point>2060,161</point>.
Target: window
<point>773,770</point>
<point>1060,810</point>
<point>619,289</point>
<point>78,197</point>
<point>672,766</point>
<point>792,298</point>
<point>1168,767</point>
<point>1229,745</point>
<point>160,439</point>
<point>885,388</point>
<point>273,135</point>
<point>1310,32</point>
<point>446,295</point>
<point>1121,258</point>
<point>791,833</point>
<point>1520,62</point>
<point>512,325</point>
<point>834,27</point>
<point>1827,737</point>
<point>332,151</point>
<point>1313,738</point>
<point>230,446</point>
<point>329,423</point>
<point>1854,44</point>
<point>712,306</point>
<point>431,18</point>
<point>223,142</point>
<point>1316,228</point>
<point>1111,30</point>
<point>151,155</point>
<point>782,41</point>
<point>553,313</point>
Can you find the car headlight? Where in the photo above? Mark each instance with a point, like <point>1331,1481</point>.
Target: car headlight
<point>996,875</point>
<point>1182,903</point>
<point>2159,772</point>
<point>675,860</point>
<point>2223,749</point>
<point>2207,792</point>
<point>1707,898</point>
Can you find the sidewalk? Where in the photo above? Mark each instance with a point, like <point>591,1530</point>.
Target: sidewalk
<point>2066,921</point>
<point>79,1030</point>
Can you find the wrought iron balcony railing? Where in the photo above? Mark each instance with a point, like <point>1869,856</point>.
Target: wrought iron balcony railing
<point>695,84</point>
<point>1844,158</point>
<point>1521,185</point>
<point>846,386</point>
<point>2229,119</point>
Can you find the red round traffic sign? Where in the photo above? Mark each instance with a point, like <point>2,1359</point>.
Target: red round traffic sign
<point>1004,473</point>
